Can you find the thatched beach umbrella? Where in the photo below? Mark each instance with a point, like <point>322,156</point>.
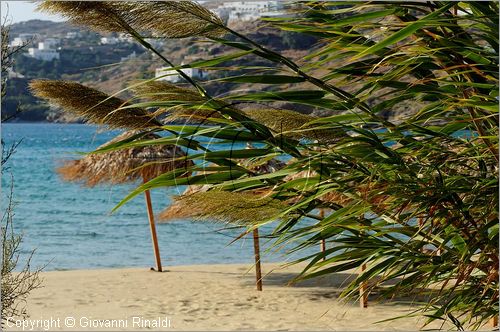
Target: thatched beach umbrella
<point>270,166</point>
<point>229,207</point>
<point>184,208</point>
<point>127,165</point>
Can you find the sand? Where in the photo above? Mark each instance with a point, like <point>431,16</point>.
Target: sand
<point>202,297</point>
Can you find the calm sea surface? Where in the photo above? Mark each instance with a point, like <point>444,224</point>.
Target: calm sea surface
<point>71,226</point>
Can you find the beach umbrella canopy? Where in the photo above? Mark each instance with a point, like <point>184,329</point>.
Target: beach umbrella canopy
<point>124,165</point>
<point>268,166</point>
<point>127,165</point>
<point>184,208</point>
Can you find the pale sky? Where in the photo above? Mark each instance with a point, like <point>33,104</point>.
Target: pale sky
<point>19,11</point>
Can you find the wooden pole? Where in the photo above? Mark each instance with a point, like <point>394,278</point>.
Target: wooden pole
<point>494,321</point>
<point>152,227</point>
<point>256,248</point>
<point>323,242</point>
<point>323,248</point>
<point>363,295</point>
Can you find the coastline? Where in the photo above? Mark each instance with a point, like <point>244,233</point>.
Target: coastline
<point>204,297</point>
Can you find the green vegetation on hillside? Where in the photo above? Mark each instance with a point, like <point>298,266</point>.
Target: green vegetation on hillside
<point>83,59</point>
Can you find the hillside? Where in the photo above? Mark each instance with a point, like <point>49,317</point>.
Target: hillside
<point>111,66</point>
<point>44,28</point>
<point>86,60</point>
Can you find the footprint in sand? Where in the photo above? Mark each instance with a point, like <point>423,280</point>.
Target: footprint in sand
<point>246,327</point>
<point>193,311</point>
<point>83,302</point>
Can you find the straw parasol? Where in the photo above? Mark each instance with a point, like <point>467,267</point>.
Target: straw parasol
<point>127,165</point>
<point>182,209</point>
<point>239,208</point>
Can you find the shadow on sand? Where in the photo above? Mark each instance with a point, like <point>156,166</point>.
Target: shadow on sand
<point>332,285</point>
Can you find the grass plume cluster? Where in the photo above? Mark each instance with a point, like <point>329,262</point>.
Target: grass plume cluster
<point>92,105</point>
<point>293,124</point>
<point>179,103</point>
<point>167,19</point>
<point>164,91</point>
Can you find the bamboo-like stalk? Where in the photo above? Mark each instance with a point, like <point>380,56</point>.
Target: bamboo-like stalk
<point>152,226</point>
<point>256,247</point>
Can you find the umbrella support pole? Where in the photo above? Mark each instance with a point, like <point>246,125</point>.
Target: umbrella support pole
<point>323,242</point>
<point>256,247</point>
<point>152,227</point>
<point>494,321</point>
<point>323,248</point>
<point>363,295</point>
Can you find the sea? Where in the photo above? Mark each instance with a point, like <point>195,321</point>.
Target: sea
<point>69,226</point>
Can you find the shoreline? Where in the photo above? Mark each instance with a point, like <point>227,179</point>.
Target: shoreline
<point>205,297</point>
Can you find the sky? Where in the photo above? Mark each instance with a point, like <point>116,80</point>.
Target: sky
<point>19,11</point>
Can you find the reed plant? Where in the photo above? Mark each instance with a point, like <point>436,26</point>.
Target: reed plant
<point>419,192</point>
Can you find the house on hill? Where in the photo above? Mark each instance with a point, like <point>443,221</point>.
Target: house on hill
<point>170,75</point>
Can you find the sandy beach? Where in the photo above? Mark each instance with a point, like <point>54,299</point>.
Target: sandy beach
<point>202,297</point>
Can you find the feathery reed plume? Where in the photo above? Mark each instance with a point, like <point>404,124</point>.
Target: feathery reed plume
<point>125,165</point>
<point>223,206</point>
<point>194,115</point>
<point>92,105</point>
<point>98,15</point>
<point>190,115</point>
<point>185,102</point>
<point>169,19</point>
<point>163,91</point>
<point>292,124</point>
<point>172,19</point>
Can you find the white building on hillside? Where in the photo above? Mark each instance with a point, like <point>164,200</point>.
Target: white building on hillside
<point>125,38</point>
<point>43,54</point>
<point>131,56</point>
<point>12,74</point>
<point>48,44</point>
<point>73,34</point>
<point>46,50</point>
<point>249,10</point>
<point>22,39</point>
<point>170,75</point>
<point>109,40</point>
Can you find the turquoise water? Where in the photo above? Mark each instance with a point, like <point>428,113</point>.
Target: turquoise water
<point>71,226</point>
